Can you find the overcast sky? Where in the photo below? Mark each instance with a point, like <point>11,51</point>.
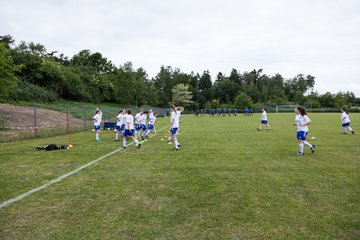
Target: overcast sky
<point>317,37</point>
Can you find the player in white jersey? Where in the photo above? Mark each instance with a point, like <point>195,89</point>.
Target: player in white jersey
<point>151,113</point>
<point>174,122</point>
<point>129,129</point>
<point>264,120</point>
<point>143,121</point>
<point>301,122</point>
<point>137,123</point>
<point>345,121</point>
<point>97,121</point>
<point>118,125</point>
<point>151,127</point>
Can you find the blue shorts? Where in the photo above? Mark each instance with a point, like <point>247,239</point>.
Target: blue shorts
<point>263,121</point>
<point>150,126</point>
<point>97,128</point>
<point>143,127</point>
<point>301,135</point>
<point>173,130</point>
<point>346,124</point>
<point>118,128</point>
<point>137,127</point>
<point>128,133</point>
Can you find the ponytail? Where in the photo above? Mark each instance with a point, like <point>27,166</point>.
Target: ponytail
<point>302,111</point>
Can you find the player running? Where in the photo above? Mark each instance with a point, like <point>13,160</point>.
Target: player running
<point>301,122</point>
<point>151,127</point>
<point>118,125</point>
<point>129,129</point>
<point>137,123</point>
<point>345,121</point>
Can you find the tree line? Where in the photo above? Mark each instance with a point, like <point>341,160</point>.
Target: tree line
<point>29,72</point>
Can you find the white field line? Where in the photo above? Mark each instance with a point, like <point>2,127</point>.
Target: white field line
<point>18,198</point>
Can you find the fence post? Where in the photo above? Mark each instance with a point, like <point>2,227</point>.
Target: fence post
<point>35,122</point>
<point>84,109</point>
<point>67,119</point>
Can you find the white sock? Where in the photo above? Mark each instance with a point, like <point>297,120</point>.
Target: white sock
<point>308,144</point>
<point>169,138</point>
<point>268,126</point>
<point>350,129</point>
<point>260,127</point>
<point>176,142</point>
<point>97,136</point>
<point>124,143</point>
<point>345,129</point>
<point>136,141</point>
<point>136,133</point>
<point>301,146</point>
<point>117,136</point>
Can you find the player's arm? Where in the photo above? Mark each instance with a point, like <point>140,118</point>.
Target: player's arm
<point>181,109</point>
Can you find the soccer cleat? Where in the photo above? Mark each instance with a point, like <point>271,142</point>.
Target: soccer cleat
<point>176,149</point>
<point>300,153</point>
<point>312,148</point>
<point>139,146</point>
<point>179,145</point>
<point>98,140</point>
<point>258,129</point>
<point>352,132</point>
<point>344,133</point>
<point>116,140</point>
<point>124,147</point>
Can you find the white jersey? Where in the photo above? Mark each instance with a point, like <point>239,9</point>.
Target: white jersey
<point>301,120</point>
<point>97,119</point>
<point>118,119</point>
<point>137,118</point>
<point>345,118</point>
<point>264,116</point>
<point>123,119</point>
<point>152,119</point>
<point>143,119</point>
<point>175,118</point>
<point>129,122</point>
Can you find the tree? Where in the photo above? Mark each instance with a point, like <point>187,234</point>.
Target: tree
<point>243,101</point>
<point>181,95</point>
<point>7,70</point>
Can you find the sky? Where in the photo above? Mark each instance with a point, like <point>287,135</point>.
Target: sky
<point>316,37</point>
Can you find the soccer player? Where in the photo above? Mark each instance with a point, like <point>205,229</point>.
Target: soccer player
<point>174,122</point>
<point>137,123</point>
<point>229,112</point>
<point>150,128</point>
<point>143,120</point>
<point>97,121</point>
<point>301,122</point>
<point>129,129</point>
<point>151,113</point>
<point>235,112</point>
<point>264,120</point>
<point>118,125</point>
<point>345,120</point>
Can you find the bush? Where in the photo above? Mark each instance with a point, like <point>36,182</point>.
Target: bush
<point>25,91</point>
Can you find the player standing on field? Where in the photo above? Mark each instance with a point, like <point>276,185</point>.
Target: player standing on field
<point>97,121</point>
<point>264,120</point>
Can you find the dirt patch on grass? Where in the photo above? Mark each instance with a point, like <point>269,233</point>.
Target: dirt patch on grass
<point>17,118</point>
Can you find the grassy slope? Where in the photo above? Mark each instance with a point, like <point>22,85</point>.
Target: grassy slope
<point>228,182</point>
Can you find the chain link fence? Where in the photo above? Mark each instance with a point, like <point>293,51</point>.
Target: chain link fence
<point>44,120</point>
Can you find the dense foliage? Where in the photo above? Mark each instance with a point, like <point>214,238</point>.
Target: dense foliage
<point>29,72</point>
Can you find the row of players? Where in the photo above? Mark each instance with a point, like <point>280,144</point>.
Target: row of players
<point>222,112</point>
<point>139,126</point>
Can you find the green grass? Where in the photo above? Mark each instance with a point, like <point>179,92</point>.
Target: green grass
<point>227,182</point>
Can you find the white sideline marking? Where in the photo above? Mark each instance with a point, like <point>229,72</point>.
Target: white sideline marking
<point>18,198</point>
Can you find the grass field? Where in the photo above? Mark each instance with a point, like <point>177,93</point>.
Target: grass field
<point>228,181</point>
